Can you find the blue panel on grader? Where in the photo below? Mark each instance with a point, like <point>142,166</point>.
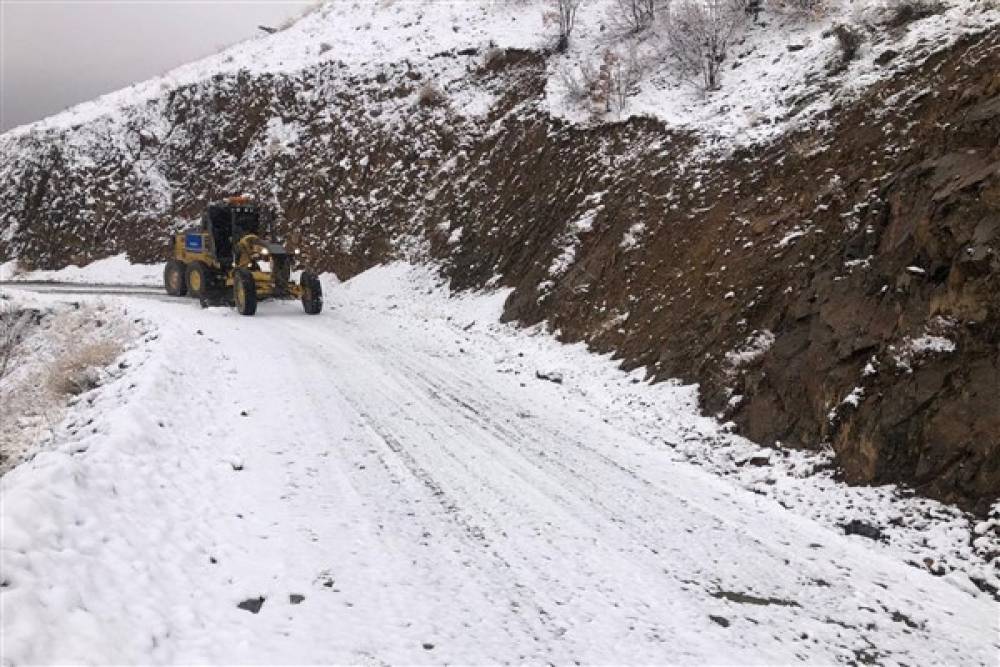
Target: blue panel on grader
<point>193,242</point>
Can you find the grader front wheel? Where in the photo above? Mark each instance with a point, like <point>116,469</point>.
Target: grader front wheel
<point>244,292</point>
<point>312,293</point>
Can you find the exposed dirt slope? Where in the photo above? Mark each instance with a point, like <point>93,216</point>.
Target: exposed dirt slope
<point>773,276</point>
<point>776,277</point>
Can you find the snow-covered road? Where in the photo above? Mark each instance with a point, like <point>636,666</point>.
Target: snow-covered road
<point>398,486</point>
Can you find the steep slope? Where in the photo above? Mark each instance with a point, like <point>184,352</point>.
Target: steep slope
<point>826,269</point>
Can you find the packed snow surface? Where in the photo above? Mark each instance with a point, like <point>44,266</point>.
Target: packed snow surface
<point>404,480</point>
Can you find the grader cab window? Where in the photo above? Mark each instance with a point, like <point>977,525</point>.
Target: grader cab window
<point>228,224</point>
<point>246,220</point>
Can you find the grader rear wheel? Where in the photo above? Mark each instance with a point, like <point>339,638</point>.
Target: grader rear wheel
<point>198,279</point>
<point>173,278</point>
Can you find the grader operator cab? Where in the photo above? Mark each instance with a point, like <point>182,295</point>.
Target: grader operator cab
<point>224,260</point>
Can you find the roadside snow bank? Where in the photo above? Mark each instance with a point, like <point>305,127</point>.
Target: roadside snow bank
<point>8,270</point>
<point>51,354</point>
<point>117,270</point>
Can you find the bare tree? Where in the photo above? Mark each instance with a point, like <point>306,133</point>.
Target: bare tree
<point>605,88</point>
<point>802,5</point>
<point>698,36</point>
<point>563,14</point>
<point>580,84</point>
<point>620,76</point>
<point>638,15</point>
<point>752,8</point>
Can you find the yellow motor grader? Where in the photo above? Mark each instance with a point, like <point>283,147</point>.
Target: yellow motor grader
<point>224,260</point>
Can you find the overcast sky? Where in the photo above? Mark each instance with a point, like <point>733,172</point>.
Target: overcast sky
<point>56,53</point>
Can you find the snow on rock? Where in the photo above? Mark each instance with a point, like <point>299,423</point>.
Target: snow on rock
<point>914,350</point>
<point>571,239</point>
<point>632,237</point>
<point>849,402</point>
<point>931,344</point>
<point>753,348</point>
<point>789,238</point>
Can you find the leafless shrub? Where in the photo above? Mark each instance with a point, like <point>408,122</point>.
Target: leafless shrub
<point>804,6</point>
<point>62,353</point>
<point>562,14</point>
<point>751,8</point>
<point>430,95</point>
<point>579,84</point>
<point>607,87</point>
<point>905,12</point>
<point>637,15</point>
<point>620,77</point>
<point>698,36</point>
<point>292,20</point>
<point>492,58</point>
<point>849,40</point>
<point>808,145</point>
<point>13,323</point>
<point>77,370</point>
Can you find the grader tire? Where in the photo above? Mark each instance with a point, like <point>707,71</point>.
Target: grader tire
<point>198,279</point>
<point>244,292</point>
<point>174,279</point>
<point>312,293</point>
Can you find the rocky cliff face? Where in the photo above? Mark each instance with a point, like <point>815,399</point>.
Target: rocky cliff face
<point>834,287</point>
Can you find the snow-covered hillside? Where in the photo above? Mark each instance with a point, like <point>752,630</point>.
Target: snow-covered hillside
<point>403,480</point>
<point>778,75</point>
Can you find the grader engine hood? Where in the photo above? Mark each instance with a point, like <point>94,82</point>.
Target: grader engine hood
<point>269,248</point>
<point>254,246</point>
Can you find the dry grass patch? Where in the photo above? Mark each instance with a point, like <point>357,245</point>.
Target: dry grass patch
<point>78,370</point>
<point>59,352</point>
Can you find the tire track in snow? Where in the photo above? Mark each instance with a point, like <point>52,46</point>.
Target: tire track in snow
<point>574,507</point>
<point>407,478</point>
<point>506,589</point>
<point>468,398</point>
